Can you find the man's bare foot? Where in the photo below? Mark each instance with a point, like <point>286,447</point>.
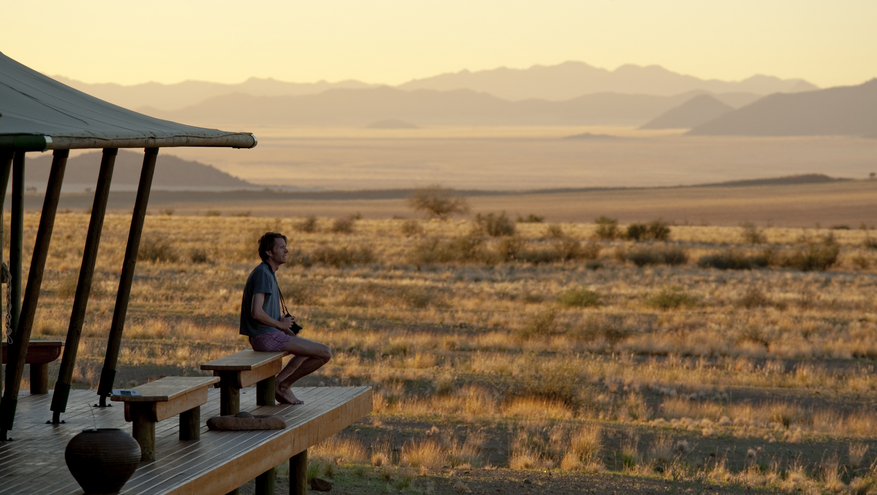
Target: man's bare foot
<point>285,396</point>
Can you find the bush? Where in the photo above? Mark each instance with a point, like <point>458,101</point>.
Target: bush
<point>752,234</point>
<point>816,256</point>
<point>510,248</point>
<point>437,201</point>
<point>212,213</point>
<point>567,248</point>
<point>411,227</point>
<point>734,260</point>
<point>869,243</point>
<point>308,225</point>
<point>579,298</point>
<point>656,230</point>
<point>656,255</point>
<point>198,256</point>
<point>607,228</point>
<point>343,256</point>
<point>671,298</point>
<point>495,225</point>
<point>531,218</point>
<point>156,249</point>
<point>463,249</point>
<point>343,225</point>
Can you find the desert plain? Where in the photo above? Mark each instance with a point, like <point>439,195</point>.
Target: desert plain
<point>607,337</point>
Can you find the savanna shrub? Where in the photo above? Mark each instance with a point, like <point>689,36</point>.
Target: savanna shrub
<point>752,234</point>
<point>308,225</point>
<point>156,249</point>
<point>510,248</point>
<point>815,256</point>
<point>656,255</point>
<point>531,218</point>
<point>343,256</point>
<point>463,249</point>
<point>198,256</point>
<point>607,228</point>
<point>671,298</point>
<point>411,227</point>
<point>733,260</point>
<point>581,297</point>
<point>437,201</point>
<point>656,230</point>
<point>495,225</point>
<point>343,225</point>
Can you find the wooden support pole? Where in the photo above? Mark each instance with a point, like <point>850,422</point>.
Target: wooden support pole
<point>298,474</point>
<point>229,393</point>
<point>39,378</point>
<point>266,482</point>
<point>190,424</point>
<point>265,392</point>
<point>5,170</point>
<point>18,348</point>
<point>108,372</point>
<point>143,429</point>
<point>83,287</point>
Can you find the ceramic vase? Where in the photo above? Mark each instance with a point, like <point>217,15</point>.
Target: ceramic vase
<point>101,460</point>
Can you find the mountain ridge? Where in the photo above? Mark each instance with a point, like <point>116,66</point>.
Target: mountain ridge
<point>558,82</point>
<point>841,110</point>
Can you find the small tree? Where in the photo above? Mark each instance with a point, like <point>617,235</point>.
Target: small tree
<point>437,201</point>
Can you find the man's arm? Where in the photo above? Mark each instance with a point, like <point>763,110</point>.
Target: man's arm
<point>262,317</point>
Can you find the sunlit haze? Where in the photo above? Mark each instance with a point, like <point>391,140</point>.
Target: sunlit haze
<point>393,41</point>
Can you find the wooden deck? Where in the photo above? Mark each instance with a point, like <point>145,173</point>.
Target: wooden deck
<point>216,464</point>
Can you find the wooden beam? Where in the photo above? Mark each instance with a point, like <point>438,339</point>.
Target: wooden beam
<point>18,347</point>
<point>5,170</point>
<point>108,372</point>
<point>83,287</point>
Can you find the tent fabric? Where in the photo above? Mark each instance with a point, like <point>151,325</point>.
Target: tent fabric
<point>38,113</point>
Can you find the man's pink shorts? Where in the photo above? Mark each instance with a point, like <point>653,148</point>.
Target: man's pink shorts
<point>267,342</point>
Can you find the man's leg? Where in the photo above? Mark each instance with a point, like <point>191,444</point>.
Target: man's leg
<point>308,356</point>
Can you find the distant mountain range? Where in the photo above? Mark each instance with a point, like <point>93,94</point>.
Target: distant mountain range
<point>187,93</point>
<point>845,110</point>
<point>553,83</point>
<point>361,107</point>
<point>171,173</point>
<point>572,93</point>
<point>694,112</point>
<point>571,79</point>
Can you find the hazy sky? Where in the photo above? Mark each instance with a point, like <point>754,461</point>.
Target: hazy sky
<point>828,43</point>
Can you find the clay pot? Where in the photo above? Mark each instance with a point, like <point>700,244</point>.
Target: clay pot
<point>101,460</point>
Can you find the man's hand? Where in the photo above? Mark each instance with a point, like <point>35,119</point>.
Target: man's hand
<point>286,322</point>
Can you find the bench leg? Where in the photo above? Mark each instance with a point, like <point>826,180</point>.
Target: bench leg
<point>266,482</point>
<point>265,392</point>
<point>229,394</point>
<point>190,424</point>
<point>143,431</point>
<point>298,474</point>
<point>39,378</point>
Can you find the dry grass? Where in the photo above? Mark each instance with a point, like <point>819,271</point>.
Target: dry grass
<point>530,365</point>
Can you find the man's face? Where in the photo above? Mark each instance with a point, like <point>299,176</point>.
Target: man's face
<point>278,252</point>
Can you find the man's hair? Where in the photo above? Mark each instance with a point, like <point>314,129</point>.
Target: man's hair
<point>266,243</point>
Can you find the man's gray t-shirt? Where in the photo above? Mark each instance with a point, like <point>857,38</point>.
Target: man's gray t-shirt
<point>260,281</point>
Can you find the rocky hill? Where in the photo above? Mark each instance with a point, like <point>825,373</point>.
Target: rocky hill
<point>171,173</point>
<point>845,110</point>
<point>696,111</point>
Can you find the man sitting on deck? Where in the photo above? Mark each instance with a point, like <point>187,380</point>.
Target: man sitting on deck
<point>268,329</point>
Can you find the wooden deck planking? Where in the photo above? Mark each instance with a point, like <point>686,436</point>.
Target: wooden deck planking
<point>217,463</point>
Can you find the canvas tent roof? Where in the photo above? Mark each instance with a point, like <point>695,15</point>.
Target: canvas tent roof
<point>38,113</point>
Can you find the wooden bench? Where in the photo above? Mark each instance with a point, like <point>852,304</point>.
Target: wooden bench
<point>39,354</point>
<point>245,369</point>
<point>163,399</point>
